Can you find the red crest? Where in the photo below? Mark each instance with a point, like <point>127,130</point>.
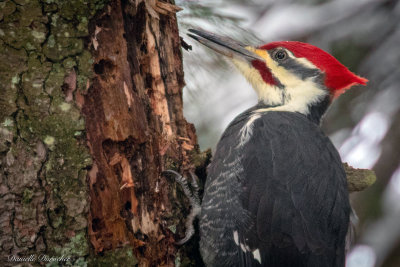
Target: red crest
<point>338,77</point>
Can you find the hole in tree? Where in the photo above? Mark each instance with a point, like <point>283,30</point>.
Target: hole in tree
<point>143,48</point>
<point>148,80</point>
<point>57,210</point>
<point>128,205</point>
<point>103,66</point>
<point>97,224</point>
<point>99,68</point>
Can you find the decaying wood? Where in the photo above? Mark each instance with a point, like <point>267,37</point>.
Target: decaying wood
<point>135,129</point>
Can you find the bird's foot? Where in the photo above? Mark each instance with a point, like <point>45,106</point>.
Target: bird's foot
<point>193,196</point>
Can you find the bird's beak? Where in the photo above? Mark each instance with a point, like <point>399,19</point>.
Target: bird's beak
<point>224,45</point>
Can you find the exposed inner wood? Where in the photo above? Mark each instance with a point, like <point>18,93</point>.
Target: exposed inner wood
<point>135,128</point>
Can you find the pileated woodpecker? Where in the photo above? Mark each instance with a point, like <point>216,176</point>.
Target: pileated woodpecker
<point>276,191</point>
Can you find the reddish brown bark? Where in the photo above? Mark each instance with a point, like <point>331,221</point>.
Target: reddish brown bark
<point>135,128</point>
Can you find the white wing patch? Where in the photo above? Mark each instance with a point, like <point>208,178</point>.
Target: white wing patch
<point>257,256</point>
<point>236,237</point>
<point>245,248</point>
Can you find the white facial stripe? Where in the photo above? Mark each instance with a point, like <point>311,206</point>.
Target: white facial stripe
<point>301,96</point>
<point>299,93</point>
<point>269,94</point>
<point>290,54</point>
<point>307,64</point>
<point>303,61</point>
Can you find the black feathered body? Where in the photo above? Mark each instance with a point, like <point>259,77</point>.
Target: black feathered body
<point>276,195</point>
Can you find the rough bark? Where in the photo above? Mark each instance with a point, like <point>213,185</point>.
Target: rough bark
<point>44,159</point>
<point>91,113</point>
<point>135,129</point>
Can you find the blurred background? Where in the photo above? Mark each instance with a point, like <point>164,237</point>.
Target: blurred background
<point>364,123</point>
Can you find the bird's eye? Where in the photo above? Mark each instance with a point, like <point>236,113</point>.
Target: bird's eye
<point>280,55</point>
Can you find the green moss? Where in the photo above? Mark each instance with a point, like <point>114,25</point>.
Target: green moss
<point>63,47</point>
<point>15,80</point>
<point>23,2</point>
<point>33,66</point>
<point>65,107</point>
<point>27,196</point>
<point>201,159</point>
<point>177,261</point>
<point>6,136</point>
<point>77,246</point>
<point>40,36</point>
<point>85,62</point>
<point>170,164</point>
<point>8,122</point>
<point>172,228</point>
<point>49,141</point>
<point>69,63</point>
<point>55,80</point>
<point>80,262</point>
<point>10,59</point>
<point>114,258</point>
<point>7,8</point>
<point>83,25</point>
<point>50,7</point>
<point>55,219</point>
<point>18,25</point>
<point>34,98</point>
<point>51,42</point>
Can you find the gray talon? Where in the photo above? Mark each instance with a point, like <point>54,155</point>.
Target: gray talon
<point>194,200</point>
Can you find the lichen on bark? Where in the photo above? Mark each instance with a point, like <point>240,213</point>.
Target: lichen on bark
<point>43,156</point>
<point>49,49</point>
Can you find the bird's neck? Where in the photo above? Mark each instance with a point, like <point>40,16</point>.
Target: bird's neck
<point>314,110</point>
<point>317,110</point>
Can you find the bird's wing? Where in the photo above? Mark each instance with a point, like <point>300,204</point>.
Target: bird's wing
<point>295,191</point>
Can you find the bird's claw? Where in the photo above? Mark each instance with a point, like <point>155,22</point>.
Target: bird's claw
<point>194,199</point>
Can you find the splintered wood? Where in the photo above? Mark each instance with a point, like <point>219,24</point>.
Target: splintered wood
<point>135,127</point>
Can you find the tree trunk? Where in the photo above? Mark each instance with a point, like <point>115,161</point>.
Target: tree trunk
<point>91,114</point>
